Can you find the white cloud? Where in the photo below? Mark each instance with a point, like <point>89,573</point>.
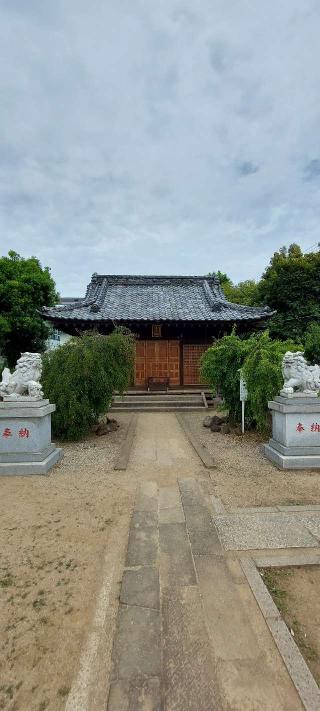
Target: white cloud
<point>164,137</point>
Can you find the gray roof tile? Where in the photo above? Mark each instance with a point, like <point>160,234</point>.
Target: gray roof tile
<point>154,298</point>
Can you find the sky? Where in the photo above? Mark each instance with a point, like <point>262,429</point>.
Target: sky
<point>171,137</point>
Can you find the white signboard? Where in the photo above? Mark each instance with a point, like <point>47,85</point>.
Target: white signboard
<point>243,390</point>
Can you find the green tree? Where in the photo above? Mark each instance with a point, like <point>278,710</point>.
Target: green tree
<point>291,286</point>
<point>24,288</point>
<point>245,292</point>
<point>312,344</point>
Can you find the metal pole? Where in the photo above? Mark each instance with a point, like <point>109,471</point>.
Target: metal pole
<point>243,404</point>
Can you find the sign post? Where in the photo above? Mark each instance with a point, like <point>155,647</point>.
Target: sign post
<point>243,398</point>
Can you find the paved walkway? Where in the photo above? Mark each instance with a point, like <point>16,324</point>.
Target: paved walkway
<point>190,632</point>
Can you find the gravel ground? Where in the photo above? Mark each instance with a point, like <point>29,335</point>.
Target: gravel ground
<point>54,532</point>
<point>244,477</point>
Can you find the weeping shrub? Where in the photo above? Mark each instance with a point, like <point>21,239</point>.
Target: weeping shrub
<point>260,358</point>
<point>81,376</point>
<point>312,344</point>
<point>263,374</point>
<point>220,368</point>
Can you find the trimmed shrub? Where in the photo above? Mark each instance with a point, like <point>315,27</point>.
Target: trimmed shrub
<point>81,376</point>
<point>263,374</point>
<point>312,344</point>
<point>220,368</point>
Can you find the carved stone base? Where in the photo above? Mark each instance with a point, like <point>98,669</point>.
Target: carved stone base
<point>291,461</point>
<point>31,467</point>
<point>295,442</point>
<point>25,438</point>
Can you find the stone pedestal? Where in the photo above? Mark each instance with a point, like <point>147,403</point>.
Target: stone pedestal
<point>295,442</point>
<point>25,437</point>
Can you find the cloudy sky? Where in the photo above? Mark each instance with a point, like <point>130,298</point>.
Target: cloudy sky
<point>158,137</point>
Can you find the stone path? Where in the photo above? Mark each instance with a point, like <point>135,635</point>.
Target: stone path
<point>190,634</point>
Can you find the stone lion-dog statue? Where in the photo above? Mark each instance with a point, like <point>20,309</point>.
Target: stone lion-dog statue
<point>300,379</point>
<point>23,383</point>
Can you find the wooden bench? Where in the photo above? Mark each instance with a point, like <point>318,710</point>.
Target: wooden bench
<point>155,383</point>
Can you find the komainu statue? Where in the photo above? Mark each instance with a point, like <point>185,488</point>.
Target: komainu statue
<point>300,379</point>
<point>23,383</point>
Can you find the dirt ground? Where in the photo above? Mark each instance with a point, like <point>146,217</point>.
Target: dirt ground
<point>54,531</point>
<point>244,477</point>
<point>296,594</point>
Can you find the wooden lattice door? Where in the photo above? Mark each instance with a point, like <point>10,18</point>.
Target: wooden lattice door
<point>157,359</point>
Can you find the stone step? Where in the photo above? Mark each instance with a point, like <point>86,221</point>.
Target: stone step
<point>161,397</point>
<point>158,403</point>
<point>156,408</point>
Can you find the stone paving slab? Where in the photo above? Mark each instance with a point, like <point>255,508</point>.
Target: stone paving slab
<point>136,650</point>
<point>248,685</point>
<point>198,518</point>
<point>218,506</point>
<point>171,515</point>
<point>188,669</point>
<point>227,611</point>
<point>141,587</point>
<point>192,494</point>
<point>176,562</point>
<point>143,519</point>
<point>136,695</point>
<point>142,546</point>
<point>147,497</point>
<point>169,497</point>
<point>255,531</point>
<point>205,542</point>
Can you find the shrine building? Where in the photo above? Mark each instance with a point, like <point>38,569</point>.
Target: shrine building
<point>174,318</point>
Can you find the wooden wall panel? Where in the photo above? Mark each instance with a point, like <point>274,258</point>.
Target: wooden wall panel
<point>191,362</point>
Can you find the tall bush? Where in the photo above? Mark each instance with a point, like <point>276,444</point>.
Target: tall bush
<point>81,376</point>
<point>312,344</point>
<point>220,367</point>
<point>263,374</point>
<point>260,358</point>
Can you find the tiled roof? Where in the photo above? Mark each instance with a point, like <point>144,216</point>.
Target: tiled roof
<point>154,298</point>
